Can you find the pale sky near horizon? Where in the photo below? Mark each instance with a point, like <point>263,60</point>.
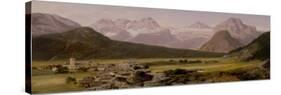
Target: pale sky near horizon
<point>87,14</point>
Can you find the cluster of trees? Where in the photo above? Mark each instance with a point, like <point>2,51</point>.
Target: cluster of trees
<point>70,80</point>
<point>61,69</point>
<point>194,61</point>
<point>180,61</point>
<point>190,61</point>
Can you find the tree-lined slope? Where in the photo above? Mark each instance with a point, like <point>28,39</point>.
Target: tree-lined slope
<point>257,49</point>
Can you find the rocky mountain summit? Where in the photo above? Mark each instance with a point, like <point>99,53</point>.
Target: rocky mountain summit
<point>244,33</point>
<point>221,42</point>
<point>43,23</point>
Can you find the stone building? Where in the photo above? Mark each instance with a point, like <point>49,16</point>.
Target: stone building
<point>73,64</point>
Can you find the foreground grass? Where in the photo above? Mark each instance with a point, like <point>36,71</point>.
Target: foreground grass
<point>56,82</point>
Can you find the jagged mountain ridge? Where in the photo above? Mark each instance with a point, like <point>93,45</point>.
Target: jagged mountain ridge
<point>238,30</point>
<point>222,42</point>
<point>199,25</point>
<point>43,23</point>
<point>194,35</point>
<point>131,27</point>
<point>161,38</point>
<point>145,30</point>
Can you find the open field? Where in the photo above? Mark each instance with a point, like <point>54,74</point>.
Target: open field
<point>47,81</point>
<point>223,65</point>
<point>55,82</point>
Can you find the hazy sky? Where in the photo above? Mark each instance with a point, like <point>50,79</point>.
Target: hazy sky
<point>87,14</point>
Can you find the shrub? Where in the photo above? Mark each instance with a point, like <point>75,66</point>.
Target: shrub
<point>171,60</point>
<point>195,61</point>
<point>70,80</point>
<point>178,72</point>
<point>136,67</point>
<point>145,66</point>
<point>61,69</point>
<point>181,61</point>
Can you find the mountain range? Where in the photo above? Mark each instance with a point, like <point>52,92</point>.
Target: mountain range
<point>196,36</point>
<point>86,43</point>
<point>193,36</point>
<point>231,34</point>
<point>148,31</point>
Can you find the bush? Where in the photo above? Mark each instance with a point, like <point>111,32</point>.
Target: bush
<point>145,66</point>
<point>177,72</point>
<point>195,61</point>
<point>136,67</point>
<point>189,61</point>
<point>171,60</point>
<point>70,80</point>
<point>183,61</point>
<point>61,69</point>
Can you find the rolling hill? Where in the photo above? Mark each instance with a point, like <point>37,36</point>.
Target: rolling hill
<point>86,43</point>
<point>257,49</point>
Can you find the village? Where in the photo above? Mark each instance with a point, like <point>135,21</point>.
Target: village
<point>127,74</point>
<point>108,76</point>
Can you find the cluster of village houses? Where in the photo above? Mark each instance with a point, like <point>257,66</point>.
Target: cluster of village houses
<point>113,76</point>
